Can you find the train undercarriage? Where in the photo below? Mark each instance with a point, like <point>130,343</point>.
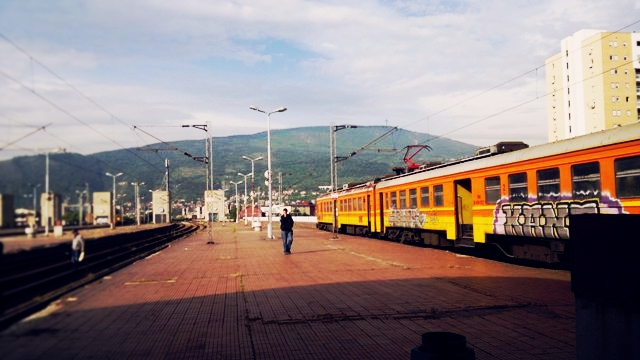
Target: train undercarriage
<point>537,250</point>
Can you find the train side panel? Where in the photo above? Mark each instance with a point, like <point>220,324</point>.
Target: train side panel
<point>519,202</point>
<point>353,210</point>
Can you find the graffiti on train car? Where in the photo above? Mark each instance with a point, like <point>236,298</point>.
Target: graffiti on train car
<point>546,219</point>
<point>411,218</point>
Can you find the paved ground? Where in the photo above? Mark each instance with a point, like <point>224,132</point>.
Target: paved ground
<point>350,298</point>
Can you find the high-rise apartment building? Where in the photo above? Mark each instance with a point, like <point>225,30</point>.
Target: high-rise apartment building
<point>593,83</point>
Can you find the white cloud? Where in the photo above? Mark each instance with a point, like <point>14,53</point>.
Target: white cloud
<point>424,66</point>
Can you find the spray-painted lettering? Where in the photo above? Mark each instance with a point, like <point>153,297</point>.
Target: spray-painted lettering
<point>545,219</point>
<point>409,218</point>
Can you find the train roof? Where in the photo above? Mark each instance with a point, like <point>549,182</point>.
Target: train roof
<point>358,188</point>
<point>616,135</point>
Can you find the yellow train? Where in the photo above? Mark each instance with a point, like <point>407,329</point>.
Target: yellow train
<point>510,196</point>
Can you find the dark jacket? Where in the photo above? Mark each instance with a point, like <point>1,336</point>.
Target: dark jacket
<point>286,222</point>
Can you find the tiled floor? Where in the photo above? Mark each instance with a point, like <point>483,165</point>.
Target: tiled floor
<point>350,298</point>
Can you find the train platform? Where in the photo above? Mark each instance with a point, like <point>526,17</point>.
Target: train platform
<point>332,298</point>
<point>16,243</point>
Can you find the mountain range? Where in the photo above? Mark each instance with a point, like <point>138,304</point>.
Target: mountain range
<point>300,157</point>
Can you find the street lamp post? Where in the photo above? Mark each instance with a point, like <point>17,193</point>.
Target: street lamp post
<point>208,155</point>
<point>333,129</point>
<point>237,199</point>
<point>113,200</point>
<point>136,185</point>
<point>253,177</point>
<point>35,205</point>
<point>121,197</point>
<point>269,173</point>
<point>46,208</point>
<point>245,176</point>
<point>81,201</point>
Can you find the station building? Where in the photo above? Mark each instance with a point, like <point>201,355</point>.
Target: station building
<point>593,83</point>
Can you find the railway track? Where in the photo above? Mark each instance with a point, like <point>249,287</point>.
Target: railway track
<point>30,280</point>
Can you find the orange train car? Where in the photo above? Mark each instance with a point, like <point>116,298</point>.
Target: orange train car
<point>514,198</point>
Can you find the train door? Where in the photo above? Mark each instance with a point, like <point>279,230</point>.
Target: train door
<point>369,229</point>
<point>381,209</point>
<point>464,213</point>
<point>334,228</point>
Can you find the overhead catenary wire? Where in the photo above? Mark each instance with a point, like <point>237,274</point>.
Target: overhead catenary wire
<point>94,103</point>
<point>25,136</point>
<point>76,118</point>
<point>429,137</point>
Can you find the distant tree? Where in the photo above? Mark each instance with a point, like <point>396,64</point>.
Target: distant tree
<point>232,214</point>
<point>71,217</point>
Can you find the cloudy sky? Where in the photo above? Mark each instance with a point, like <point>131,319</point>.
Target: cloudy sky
<point>97,75</point>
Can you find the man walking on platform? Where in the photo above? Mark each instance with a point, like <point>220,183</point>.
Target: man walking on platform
<point>77,249</point>
<point>286,231</point>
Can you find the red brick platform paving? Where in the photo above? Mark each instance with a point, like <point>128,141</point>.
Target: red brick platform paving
<point>350,298</point>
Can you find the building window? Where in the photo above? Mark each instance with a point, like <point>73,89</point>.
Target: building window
<point>438,195</point>
<point>518,187</point>
<point>627,172</point>
<point>403,200</point>
<point>413,199</point>
<point>424,197</point>
<point>492,190</point>
<point>585,181</point>
<point>548,184</point>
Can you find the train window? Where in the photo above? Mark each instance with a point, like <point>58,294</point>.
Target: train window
<point>350,205</point>
<point>424,196</point>
<point>438,195</point>
<point>360,204</point>
<point>518,187</point>
<point>586,181</point>
<point>413,198</point>
<point>492,190</point>
<point>627,177</point>
<point>403,199</point>
<point>394,200</point>
<point>548,184</point>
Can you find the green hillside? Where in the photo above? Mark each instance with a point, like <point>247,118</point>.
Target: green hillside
<point>301,155</point>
